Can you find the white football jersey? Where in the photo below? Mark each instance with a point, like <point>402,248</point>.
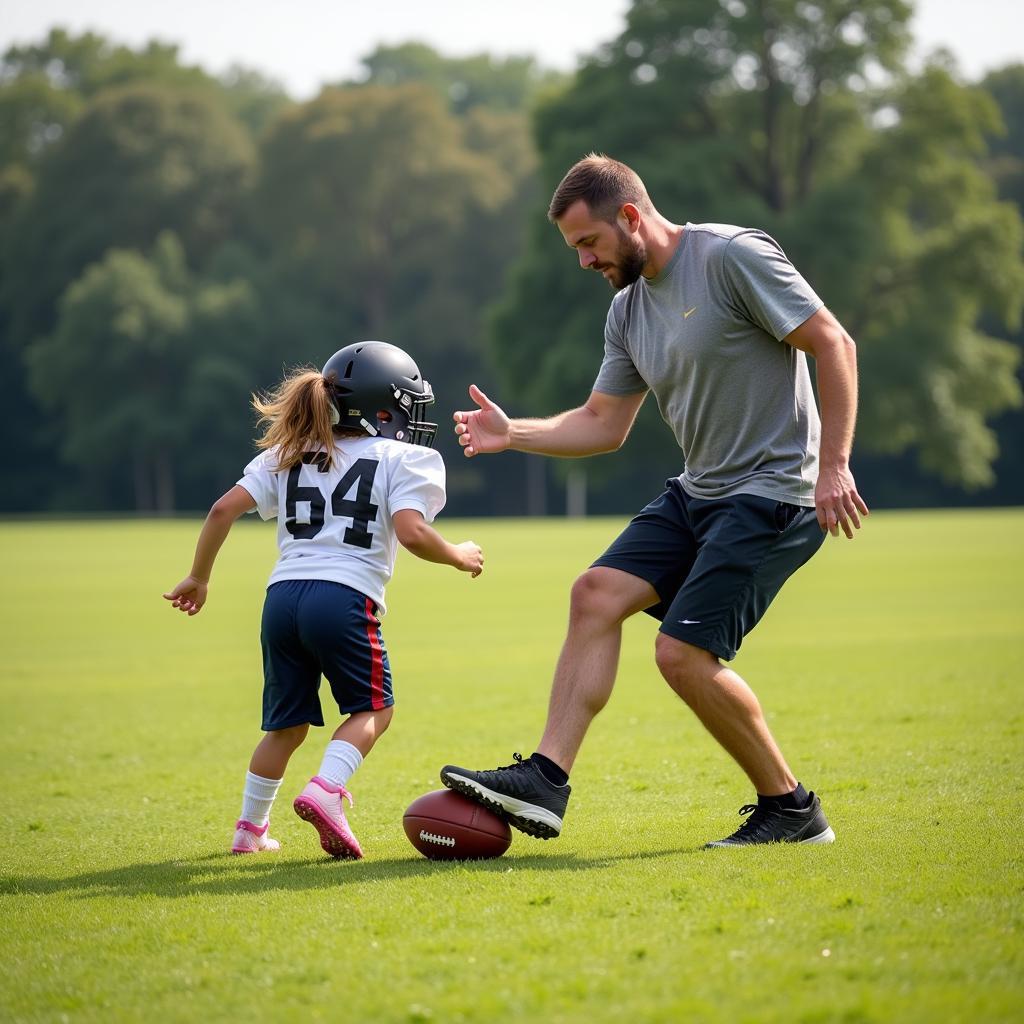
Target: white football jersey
<point>336,524</point>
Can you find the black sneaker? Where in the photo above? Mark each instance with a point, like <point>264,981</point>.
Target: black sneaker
<point>519,792</point>
<point>778,825</point>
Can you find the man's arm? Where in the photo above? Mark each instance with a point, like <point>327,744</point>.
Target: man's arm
<point>601,424</point>
<point>835,355</point>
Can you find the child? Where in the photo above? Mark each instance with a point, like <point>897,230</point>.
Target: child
<point>347,470</point>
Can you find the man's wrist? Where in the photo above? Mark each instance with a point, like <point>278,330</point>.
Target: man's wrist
<point>834,463</point>
<point>515,437</point>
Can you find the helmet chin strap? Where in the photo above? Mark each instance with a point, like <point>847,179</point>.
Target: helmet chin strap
<point>369,427</point>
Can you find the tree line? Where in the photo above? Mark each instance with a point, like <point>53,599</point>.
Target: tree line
<point>170,241</point>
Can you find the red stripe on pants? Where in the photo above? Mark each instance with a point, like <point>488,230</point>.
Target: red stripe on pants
<point>376,659</point>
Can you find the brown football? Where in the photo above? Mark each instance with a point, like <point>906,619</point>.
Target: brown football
<point>448,826</point>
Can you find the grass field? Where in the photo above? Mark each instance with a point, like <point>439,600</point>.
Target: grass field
<point>891,669</point>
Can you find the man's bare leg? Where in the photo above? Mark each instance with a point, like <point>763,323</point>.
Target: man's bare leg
<point>728,709</point>
<point>529,794</point>
<point>785,812</point>
<point>602,599</point>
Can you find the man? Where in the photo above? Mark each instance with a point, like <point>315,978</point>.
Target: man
<point>715,321</point>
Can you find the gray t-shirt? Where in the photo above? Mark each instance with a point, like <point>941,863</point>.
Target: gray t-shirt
<point>705,336</point>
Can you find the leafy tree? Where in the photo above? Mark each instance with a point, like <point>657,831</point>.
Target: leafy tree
<point>796,117</point>
<point>466,83</point>
<point>380,210</point>
<point>140,159</point>
<point>359,191</point>
<point>1006,147</point>
<point>45,85</point>
<point>254,98</point>
<point>948,251</point>
<point>759,91</point>
<point>100,146</point>
<point>1005,163</point>
<point>33,116</point>
<point>85,65</point>
<point>43,89</point>
<point>431,220</point>
<point>131,378</point>
<point>380,214</point>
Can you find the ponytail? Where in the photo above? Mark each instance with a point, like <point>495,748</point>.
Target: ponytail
<point>296,415</point>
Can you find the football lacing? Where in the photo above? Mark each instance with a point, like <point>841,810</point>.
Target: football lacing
<point>429,837</point>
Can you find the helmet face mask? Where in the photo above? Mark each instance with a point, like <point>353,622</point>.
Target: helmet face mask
<point>373,377</point>
<point>417,429</point>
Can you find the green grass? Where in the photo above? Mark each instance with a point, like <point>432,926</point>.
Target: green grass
<point>890,668</point>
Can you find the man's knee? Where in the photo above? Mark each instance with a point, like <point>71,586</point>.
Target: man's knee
<point>608,596</point>
<point>687,669</point>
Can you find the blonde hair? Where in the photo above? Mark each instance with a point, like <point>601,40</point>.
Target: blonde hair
<point>295,415</point>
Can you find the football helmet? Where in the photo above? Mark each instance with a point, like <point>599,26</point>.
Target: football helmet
<point>369,377</point>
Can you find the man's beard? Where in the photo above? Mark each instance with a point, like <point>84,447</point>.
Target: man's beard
<point>630,260</point>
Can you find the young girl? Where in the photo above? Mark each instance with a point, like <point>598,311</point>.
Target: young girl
<point>347,470</point>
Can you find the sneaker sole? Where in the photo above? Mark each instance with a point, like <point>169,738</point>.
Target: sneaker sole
<point>239,850</point>
<point>529,818</point>
<point>828,836</point>
<point>333,842</point>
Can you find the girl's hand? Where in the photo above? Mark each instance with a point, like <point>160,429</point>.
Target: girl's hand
<point>189,595</point>
<point>471,558</point>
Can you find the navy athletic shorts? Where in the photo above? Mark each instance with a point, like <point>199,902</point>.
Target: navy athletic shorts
<point>312,628</point>
<point>716,564</point>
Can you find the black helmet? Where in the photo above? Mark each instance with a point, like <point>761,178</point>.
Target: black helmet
<point>371,376</point>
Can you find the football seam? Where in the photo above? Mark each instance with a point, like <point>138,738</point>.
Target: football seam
<point>430,837</point>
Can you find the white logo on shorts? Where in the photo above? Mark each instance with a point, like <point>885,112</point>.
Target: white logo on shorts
<point>689,622</point>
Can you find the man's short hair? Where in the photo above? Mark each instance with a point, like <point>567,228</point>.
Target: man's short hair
<point>604,184</point>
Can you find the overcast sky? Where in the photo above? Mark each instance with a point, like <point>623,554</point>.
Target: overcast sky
<point>307,42</point>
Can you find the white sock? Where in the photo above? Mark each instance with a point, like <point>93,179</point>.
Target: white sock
<point>340,761</point>
<point>258,798</point>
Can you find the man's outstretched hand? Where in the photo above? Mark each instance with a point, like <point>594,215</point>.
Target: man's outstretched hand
<point>486,429</point>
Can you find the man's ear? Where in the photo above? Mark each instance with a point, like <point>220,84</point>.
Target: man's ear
<point>629,217</point>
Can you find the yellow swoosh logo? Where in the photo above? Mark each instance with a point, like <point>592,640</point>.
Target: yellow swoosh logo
<point>692,309</point>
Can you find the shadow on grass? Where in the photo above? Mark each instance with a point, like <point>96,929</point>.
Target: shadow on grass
<point>221,873</point>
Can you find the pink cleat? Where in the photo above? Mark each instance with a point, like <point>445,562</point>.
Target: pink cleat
<point>320,803</point>
<point>250,838</point>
